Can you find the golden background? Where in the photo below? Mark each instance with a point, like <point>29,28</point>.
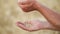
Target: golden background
<point>10,13</point>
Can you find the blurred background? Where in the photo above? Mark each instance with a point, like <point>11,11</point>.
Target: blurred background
<point>10,13</point>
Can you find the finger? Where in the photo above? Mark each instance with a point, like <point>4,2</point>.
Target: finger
<point>21,25</point>
<point>22,1</point>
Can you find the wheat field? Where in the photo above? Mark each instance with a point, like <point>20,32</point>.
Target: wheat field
<point>10,13</point>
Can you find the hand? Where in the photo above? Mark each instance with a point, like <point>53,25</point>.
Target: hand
<point>27,5</point>
<point>34,25</point>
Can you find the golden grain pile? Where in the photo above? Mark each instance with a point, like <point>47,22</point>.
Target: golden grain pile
<point>10,13</point>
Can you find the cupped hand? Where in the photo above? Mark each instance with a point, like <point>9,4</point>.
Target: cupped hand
<point>31,25</point>
<point>27,5</point>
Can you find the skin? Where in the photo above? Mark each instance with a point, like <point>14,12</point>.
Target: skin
<point>53,18</point>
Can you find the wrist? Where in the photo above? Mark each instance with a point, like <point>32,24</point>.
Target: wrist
<point>37,6</point>
<point>48,26</point>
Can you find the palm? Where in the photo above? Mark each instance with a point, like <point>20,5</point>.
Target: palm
<point>27,5</point>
